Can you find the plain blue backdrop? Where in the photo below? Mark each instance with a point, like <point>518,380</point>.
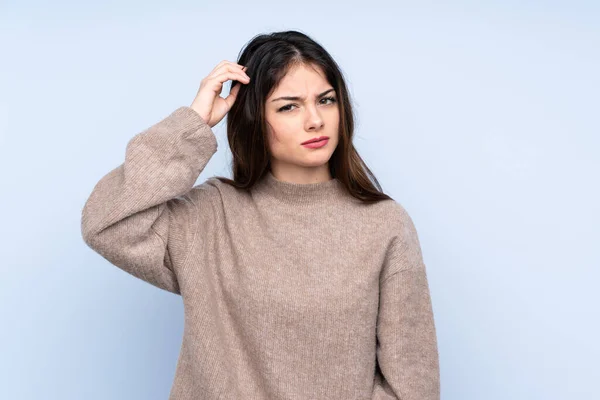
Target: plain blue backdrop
<point>481,118</point>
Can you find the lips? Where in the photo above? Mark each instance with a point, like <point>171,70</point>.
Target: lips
<point>317,139</point>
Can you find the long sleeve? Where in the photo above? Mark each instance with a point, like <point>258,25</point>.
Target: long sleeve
<point>143,215</point>
<point>407,353</point>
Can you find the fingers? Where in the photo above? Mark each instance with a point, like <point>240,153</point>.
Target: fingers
<point>234,76</point>
<point>226,66</point>
<point>227,70</point>
<point>230,99</point>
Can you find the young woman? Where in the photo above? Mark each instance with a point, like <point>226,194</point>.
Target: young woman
<point>300,279</point>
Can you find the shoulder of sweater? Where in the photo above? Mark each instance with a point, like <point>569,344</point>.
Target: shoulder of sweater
<point>213,189</point>
<point>396,217</point>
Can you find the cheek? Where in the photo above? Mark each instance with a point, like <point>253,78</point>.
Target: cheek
<point>275,140</point>
<point>285,128</point>
<point>282,134</point>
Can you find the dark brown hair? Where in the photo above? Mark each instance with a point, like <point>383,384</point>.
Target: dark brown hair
<point>268,58</point>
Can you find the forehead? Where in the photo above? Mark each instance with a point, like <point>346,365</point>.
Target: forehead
<point>301,79</point>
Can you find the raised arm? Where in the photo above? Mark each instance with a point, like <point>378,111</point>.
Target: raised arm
<point>407,353</point>
<point>141,216</point>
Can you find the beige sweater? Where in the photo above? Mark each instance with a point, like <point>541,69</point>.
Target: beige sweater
<point>292,291</point>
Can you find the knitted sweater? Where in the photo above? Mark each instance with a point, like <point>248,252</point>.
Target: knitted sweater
<point>290,291</point>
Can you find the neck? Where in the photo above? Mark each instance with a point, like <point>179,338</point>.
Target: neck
<point>300,194</point>
<point>295,174</point>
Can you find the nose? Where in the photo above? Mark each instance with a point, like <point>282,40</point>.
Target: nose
<point>313,119</point>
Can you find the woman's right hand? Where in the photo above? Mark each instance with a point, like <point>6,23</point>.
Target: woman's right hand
<point>208,102</point>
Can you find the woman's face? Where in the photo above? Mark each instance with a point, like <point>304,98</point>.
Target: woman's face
<point>290,122</point>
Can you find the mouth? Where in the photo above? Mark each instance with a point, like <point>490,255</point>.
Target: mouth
<point>316,144</point>
<point>317,139</point>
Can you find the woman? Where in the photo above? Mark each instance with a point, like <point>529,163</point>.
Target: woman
<point>300,279</point>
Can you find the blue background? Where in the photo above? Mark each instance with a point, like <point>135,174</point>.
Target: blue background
<point>481,118</point>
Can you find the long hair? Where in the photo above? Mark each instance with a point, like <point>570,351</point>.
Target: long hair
<point>268,58</point>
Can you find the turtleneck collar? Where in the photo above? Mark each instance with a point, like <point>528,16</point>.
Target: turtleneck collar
<point>301,193</point>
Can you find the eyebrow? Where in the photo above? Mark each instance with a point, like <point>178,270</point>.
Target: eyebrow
<point>300,98</point>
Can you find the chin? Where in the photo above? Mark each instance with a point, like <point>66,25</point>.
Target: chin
<point>314,162</point>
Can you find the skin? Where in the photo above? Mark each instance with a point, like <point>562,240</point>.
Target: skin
<point>299,120</point>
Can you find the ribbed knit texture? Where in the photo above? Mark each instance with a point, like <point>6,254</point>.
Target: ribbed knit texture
<point>291,291</point>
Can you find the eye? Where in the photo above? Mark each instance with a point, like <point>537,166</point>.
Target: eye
<point>287,107</point>
<point>330,98</point>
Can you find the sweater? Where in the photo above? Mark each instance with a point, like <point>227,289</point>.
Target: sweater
<point>290,291</point>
